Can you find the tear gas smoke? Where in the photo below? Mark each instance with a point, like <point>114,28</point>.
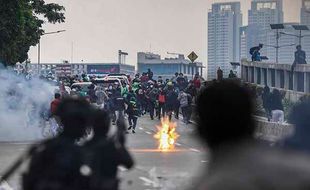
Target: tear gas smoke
<point>22,105</point>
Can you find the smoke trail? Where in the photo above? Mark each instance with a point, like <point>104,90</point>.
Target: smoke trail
<point>21,104</point>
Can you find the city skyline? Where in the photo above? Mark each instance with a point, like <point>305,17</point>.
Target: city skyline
<point>161,26</point>
<point>224,22</point>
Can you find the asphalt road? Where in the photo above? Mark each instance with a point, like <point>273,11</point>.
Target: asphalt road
<point>154,169</point>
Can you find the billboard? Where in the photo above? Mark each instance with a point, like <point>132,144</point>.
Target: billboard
<point>63,70</point>
<point>102,69</point>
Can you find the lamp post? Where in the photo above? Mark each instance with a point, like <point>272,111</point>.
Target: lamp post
<point>277,27</point>
<point>299,28</point>
<point>39,46</point>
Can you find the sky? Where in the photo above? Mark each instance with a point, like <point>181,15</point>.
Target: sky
<point>97,29</point>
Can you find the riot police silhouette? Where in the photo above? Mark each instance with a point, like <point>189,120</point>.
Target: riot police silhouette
<point>57,163</point>
<point>104,154</point>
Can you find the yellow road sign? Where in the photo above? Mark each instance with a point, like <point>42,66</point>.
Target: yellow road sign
<point>192,56</point>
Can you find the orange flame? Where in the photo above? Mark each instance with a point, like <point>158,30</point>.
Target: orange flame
<point>166,135</point>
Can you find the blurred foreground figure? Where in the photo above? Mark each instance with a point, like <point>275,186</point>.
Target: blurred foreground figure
<point>238,161</point>
<point>300,117</point>
<point>104,155</point>
<point>56,163</point>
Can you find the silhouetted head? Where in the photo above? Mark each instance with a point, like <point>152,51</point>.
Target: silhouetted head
<point>276,93</point>
<point>225,114</point>
<point>57,96</point>
<point>101,123</point>
<point>266,89</point>
<point>74,115</point>
<point>298,47</point>
<point>260,46</point>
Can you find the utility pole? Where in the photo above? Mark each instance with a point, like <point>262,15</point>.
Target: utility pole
<point>39,46</point>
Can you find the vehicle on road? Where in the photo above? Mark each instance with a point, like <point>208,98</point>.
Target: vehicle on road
<point>122,77</point>
<point>106,82</point>
<point>81,85</point>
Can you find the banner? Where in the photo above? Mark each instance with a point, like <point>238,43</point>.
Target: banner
<point>102,69</point>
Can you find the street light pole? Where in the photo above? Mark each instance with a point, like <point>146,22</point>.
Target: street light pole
<point>277,48</point>
<point>39,54</point>
<point>39,46</point>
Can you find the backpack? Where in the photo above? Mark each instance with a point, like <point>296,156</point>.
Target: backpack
<point>252,50</point>
<point>161,98</point>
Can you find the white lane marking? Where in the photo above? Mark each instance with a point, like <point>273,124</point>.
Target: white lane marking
<point>5,186</point>
<point>148,181</point>
<point>140,128</point>
<point>148,132</point>
<point>122,169</point>
<point>194,150</point>
<point>204,161</point>
<point>178,144</point>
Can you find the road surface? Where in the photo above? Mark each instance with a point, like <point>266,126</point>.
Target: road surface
<point>153,169</point>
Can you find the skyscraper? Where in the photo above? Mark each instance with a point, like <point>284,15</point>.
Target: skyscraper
<point>266,12</point>
<point>305,20</point>
<point>224,22</point>
<point>305,12</point>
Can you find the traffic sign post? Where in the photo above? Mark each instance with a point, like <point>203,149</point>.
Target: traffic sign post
<point>192,56</point>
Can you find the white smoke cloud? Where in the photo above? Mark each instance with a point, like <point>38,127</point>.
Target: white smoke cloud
<point>21,103</point>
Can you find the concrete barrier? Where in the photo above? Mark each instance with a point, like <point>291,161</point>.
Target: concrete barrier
<point>271,131</point>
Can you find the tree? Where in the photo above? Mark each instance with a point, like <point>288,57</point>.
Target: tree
<point>21,26</point>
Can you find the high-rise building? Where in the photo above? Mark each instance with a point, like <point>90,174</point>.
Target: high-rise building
<point>305,12</point>
<point>224,22</point>
<point>305,20</point>
<point>266,12</point>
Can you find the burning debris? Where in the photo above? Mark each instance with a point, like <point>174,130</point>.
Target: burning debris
<point>166,135</point>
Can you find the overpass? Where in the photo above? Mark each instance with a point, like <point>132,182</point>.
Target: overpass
<point>277,75</point>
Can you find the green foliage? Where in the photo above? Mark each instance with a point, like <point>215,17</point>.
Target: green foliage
<point>287,105</point>
<point>21,27</point>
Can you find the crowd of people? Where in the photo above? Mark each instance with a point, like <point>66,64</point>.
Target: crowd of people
<point>78,163</point>
<point>143,95</point>
<point>228,132</point>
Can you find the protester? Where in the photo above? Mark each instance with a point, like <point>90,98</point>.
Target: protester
<point>219,74</point>
<point>181,82</point>
<point>102,97</point>
<point>277,110</point>
<point>197,81</point>
<point>118,102</point>
<point>54,120</point>
<point>266,97</point>
<point>171,101</point>
<point>55,103</point>
<point>151,98</point>
<point>133,114</point>
<point>161,103</point>
<point>184,104</point>
<point>255,52</point>
<point>232,75</point>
